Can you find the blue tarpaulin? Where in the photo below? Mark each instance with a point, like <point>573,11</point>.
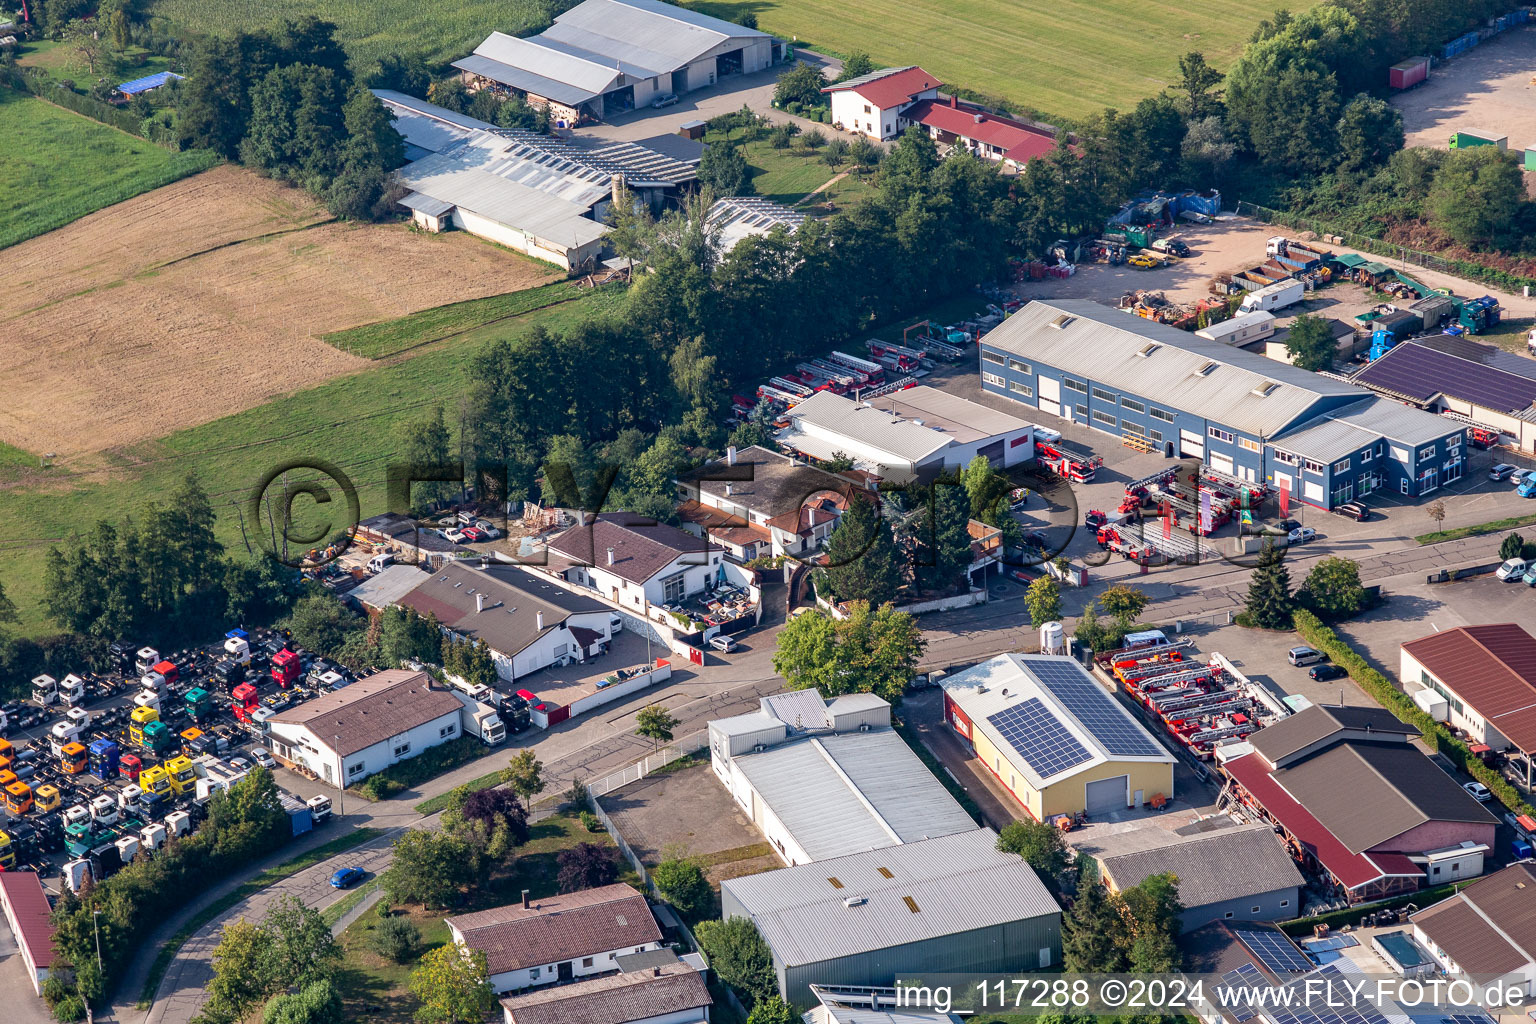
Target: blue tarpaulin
<point>146,83</point>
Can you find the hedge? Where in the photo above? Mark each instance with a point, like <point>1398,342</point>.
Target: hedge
<point>90,107</point>
<point>428,764</point>
<point>1380,688</point>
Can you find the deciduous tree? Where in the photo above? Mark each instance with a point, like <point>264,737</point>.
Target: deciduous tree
<point>587,866</point>
<point>453,986</point>
<point>655,723</point>
<point>1310,344</point>
<point>1040,844</point>
<point>1043,599</point>
<point>681,882</point>
<point>430,867</point>
<point>524,774</point>
<point>869,652</point>
<point>1333,588</point>
<point>1476,195</point>
<point>738,954</point>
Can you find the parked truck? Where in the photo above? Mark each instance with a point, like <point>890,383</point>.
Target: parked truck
<point>480,720</point>
<point>1273,297</point>
<point>1466,138</point>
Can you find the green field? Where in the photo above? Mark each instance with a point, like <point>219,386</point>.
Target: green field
<point>350,422</point>
<point>59,166</point>
<point>392,337</point>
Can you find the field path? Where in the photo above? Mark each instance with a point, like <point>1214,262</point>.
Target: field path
<point>204,298</point>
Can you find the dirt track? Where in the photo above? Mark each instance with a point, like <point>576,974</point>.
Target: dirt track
<point>171,309</point>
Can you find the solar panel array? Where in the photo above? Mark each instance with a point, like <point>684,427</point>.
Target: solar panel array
<point>1467,1018</point>
<point>1297,1013</point>
<point>1039,737</point>
<point>1095,709</point>
<point>1249,976</point>
<point>1273,949</point>
<point>1419,372</point>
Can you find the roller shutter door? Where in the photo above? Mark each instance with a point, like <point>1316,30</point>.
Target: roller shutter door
<point>1107,794</point>
<point>1191,444</point>
<point>1222,464</point>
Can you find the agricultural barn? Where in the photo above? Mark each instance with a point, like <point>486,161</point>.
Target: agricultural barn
<point>988,136</point>
<point>880,103</point>
<point>604,57</point>
<point>912,434</point>
<point>737,217</point>
<point>1487,930</point>
<point>824,779</point>
<point>951,904</point>
<point>1482,681</point>
<point>539,195</point>
<point>1054,737</point>
<point>1357,802</point>
<point>1446,373</point>
<point>528,622</point>
<point>1158,388</point>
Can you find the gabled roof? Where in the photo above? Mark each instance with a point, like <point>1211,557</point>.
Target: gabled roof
<point>1490,926</point>
<point>29,903</point>
<point>1321,721</point>
<point>1018,142</point>
<point>766,482</point>
<point>641,546</point>
<point>581,72</point>
<point>513,601</point>
<point>889,87</point>
<point>1360,424</point>
<point>1179,370</point>
<point>1422,369</point>
<point>614,998</point>
<point>371,710</point>
<point>1491,667</point>
<point>556,928</point>
<point>1212,867</point>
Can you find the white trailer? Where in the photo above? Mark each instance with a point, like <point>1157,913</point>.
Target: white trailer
<point>480,720</point>
<point>1273,297</point>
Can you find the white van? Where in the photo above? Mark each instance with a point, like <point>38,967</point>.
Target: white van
<point>1513,569</point>
<point>378,562</point>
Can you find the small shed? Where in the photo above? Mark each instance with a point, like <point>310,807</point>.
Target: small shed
<point>148,83</point>
<point>692,129</point>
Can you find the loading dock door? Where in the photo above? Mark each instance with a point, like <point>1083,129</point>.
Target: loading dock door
<point>1222,464</point>
<point>1191,444</point>
<point>1107,794</point>
<point>1050,395</point>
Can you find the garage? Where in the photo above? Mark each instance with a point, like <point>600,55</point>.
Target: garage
<point>993,452</point>
<point>1107,795</point>
<point>1191,444</point>
<point>1223,464</point>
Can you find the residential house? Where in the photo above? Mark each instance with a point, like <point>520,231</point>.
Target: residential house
<point>672,993</point>
<point>1486,930</point>
<point>988,136</point>
<point>635,562</point>
<point>878,104</point>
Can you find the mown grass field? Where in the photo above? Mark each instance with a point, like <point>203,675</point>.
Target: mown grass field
<point>351,422</point>
<point>1064,59</point>
<point>59,166</point>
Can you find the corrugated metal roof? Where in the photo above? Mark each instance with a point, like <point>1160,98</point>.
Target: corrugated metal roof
<point>558,223</point>
<point>960,419</point>
<point>1356,426</point>
<point>644,32</point>
<point>737,217</point>
<point>801,710</point>
<point>1212,867</point>
<point>845,793</point>
<point>863,425</point>
<point>427,125</point>
<point>524,80</point>
<point>1005,682</point>
<point>754,721</point>
<point>958,883</point>
<point>531,56</point>
<point>388,586</point>
<point>1104,345</point>
<point>426,204</point>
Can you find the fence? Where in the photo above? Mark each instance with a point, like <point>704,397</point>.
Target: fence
<point>1379,247</point>
<point>692,743</point>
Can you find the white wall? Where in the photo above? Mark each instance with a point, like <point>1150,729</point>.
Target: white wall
<point>1466,719</point>
<point>701,73</point>
<point>848,110</point>
<point>602,963</point>
<point>1524,976</point>
<point>515,238</point>
<point>304,747</point>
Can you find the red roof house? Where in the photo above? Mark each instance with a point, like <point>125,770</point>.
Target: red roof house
<point>28,913</point>
<point>875,104</point>
<point>990,136</point>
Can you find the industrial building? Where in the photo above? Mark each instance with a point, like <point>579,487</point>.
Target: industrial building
<point>29,914</point>
<point>759,502</point>
<point>879,104</point>
<point>560,938</point>
<point>349,734</point>
<point>1487,930</point>
<point>1227,871</point>
<point>950,904</point>
<point>603,57</point>
<point>1357,803</point>
<point>734,218</point>
<point>528,622</point>
<point>914,434</point>
<point>827,778</point>
<point>1055,738</point>
<point>1322,440</point>
<point>1480,680</point>
<point>1446,373</point>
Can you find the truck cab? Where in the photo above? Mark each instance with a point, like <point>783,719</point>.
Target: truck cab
<point>158,738</point>
<point>286,668</point>
<point>244,701</point>
<point>18,798</point>
<point>319,808</point>
<point>167,671</point>
<point>145,659</point>
<point>147,699</point>
<point>72,758</point>
<point>7,852</point>
<point>199,704</point>
<point>156,785</point>
<point>72,690</point>
<point>45,690</point>
<point>142,716</point>
<point>181,775</point>
<point>47,797</point>
<point>104,759</point>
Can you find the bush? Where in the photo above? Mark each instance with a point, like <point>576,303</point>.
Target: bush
<point>396,939</point>
<point>591,821</point>
<point>428,764</point>
<point>70,1008</point>
<point>682,884</point>
<point>576,796</point>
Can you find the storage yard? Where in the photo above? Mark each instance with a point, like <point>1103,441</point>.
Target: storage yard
<point>1487,87</point>
<point>117,324</point>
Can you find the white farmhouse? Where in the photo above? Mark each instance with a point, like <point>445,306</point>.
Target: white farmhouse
<point>877,104</point>
<point>634,562</point>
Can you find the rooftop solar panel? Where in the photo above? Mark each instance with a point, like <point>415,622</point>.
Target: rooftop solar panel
<point>1418,372</point>
<point>1273,949</point>
<point>1039,737</point>
<point>1246,975</point>
<point>1095,709</point>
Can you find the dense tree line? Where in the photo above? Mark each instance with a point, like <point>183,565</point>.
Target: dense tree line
<point>285,102</point>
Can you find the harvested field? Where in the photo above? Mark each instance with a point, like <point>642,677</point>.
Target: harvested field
<point>1486,87</point>
<point>204,298</point>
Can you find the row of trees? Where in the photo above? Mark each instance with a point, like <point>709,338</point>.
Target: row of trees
<point>1332,590</point>
<point>285,102</point>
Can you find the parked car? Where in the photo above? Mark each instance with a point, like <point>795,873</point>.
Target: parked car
<point>663,101</point>
<point>1501,471</point>
<point>1353,510</point>
<point>1529,578</point>
<point>723,644</point>
<point>472,535</point>
<point>1478,791</point>
<point>1323,673</point>
<point>454,535</point>
<point>1518,477</point>
<point>1302,534</point>
<point>263,758</point>
<point>1141,261</point>
<point>1512,569</point>
<point>1527,488</point>
<point>345,878</point>
<point>1300,656</point>
<point>488,528</point>
<point>1288,525</point>
<point>240,764</point>
<point>465,517</point>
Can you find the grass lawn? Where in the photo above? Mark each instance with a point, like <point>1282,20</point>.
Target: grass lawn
<point>788,175</point>
<point>59,166</point>
<point>351,422</point>
<point>1059,60</point>
<point>1457,533</point>
<point>391,337</point>
<point>60,62</point>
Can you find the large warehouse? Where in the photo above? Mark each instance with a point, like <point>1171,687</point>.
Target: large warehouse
<point>824,779</point>
<point>604,57</point>
<point>1054,737</point>
<point>1323,440</point>
<point>1448,373</point>
<point>953,904</point>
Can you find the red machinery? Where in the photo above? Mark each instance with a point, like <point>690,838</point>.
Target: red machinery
<point>285,668</point>
<point>1482,437</point>
<point>244,701</point>
<point>1079,467</point>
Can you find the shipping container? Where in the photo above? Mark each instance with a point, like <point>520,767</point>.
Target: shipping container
<point>1408,73</point>
<point>1466,138</point>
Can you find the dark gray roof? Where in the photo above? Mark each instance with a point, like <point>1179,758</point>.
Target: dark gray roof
<point>767,482</point>
<point>612,998</point>
<point>676,147</point>
<point>1369,793</point>
<point>1303,729</point>
<point>1420,371</point>
<point>514,597</point>
<point>641,546</point>
<point>1212,867</point>
<point>371,710</point>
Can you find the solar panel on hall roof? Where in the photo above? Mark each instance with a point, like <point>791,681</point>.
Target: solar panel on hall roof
<point>1324,996</point>
<point>1094,708</point>
<point>1246,975</point>
<point>1273,949</point>
<point>1039,737</point>
<point>1417,372</point>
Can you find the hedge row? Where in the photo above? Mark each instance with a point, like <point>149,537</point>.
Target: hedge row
<point>96,110</point>
<point>428,764</point>
<point>1380,689</point>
